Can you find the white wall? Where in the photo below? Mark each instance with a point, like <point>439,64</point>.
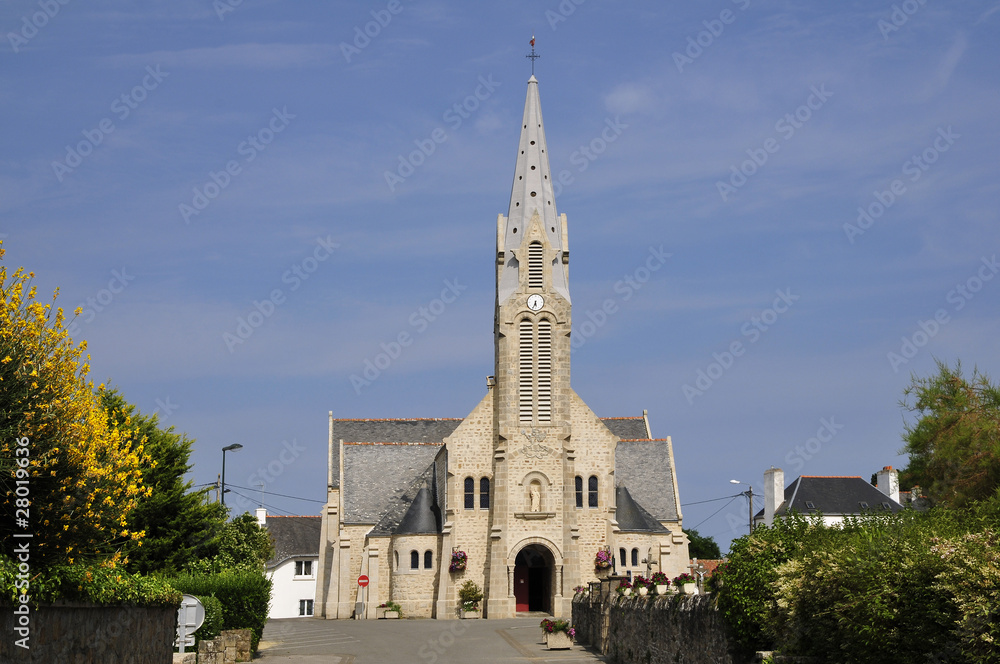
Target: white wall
<point>288,589</point>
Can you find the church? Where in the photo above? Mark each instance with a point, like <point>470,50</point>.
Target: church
<point>531,494</point>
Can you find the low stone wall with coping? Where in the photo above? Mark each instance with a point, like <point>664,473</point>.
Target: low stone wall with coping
<point>670,629</point>
<point>77,633</point>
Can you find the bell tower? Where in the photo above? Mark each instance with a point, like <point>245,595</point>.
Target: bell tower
<point>533,454</point>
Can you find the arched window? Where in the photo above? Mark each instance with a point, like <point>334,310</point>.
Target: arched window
<point>429,559</point>
<point>484,493</point>
<point>622,557</point>
<point>535,265</point>
<point>579,491</point>
<point>470,493</point>
<point>635,557</point>
<point>414,560</point>
<point>592,491</point>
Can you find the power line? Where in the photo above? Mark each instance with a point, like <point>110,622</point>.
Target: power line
<point>271,493</point>
<point>701,502</point>
<point>718,510</point>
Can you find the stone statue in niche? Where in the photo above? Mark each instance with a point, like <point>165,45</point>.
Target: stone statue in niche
<point>535,492</point>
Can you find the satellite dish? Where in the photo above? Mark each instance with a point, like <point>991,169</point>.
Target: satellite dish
<point>190,616</point>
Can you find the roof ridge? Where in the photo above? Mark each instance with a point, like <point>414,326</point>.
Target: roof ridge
<point>388,443</point>
<point>834,477</point>
<point>396,419</point>
<point>294,516</point>
<point>642,440</point>
<point>626,417</point>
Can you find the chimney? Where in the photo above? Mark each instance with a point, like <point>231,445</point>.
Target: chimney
<point>887,481</point>
<point>261,516</point>
<point>774,492</point>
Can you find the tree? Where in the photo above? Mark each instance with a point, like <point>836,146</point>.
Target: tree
<point>66,476</point>
<point>702,547</point>
<point>242,543</point>
<point>954,446</point>
<point>179,523</point>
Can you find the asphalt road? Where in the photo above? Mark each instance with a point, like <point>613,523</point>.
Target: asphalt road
<point>318,641</point>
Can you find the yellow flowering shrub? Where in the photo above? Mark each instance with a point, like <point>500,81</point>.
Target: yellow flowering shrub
<point>82,476</point>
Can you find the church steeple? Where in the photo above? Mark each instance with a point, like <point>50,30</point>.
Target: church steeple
<point>532,194</point>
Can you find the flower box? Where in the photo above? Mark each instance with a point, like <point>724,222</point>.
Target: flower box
<point>690,588</point>
<point>558,640</point>
<point>662,589</point>
<point>469,614</point>
<point>459,559</point>
<point>558,633</point>
<point>390,615</point>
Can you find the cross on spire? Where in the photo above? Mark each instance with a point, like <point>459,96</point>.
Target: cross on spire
<point>534,56</point>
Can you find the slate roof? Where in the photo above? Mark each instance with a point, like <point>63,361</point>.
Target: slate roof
<point>377,478</point>
<point>414,430</point>
<point>293,536</point>
<point>415,510</point>
<point>631,517</point>
<point>627,428</point>
<point>833,496</point>
<point>644,467</point>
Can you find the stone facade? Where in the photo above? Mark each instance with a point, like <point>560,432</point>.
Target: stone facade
<point>528,486</point>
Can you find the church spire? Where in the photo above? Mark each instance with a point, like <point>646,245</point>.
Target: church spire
<point>532,194</point>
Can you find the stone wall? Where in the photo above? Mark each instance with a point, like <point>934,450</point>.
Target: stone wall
<point>232,646</point>
<point>91,634</point>
<point>673,629</point>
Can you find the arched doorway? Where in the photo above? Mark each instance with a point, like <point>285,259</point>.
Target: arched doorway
<point>533,579</point>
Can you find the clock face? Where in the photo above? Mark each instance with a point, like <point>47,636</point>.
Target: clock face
<point>535,302</point>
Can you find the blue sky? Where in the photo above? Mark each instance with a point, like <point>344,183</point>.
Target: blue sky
<point>179,167</point>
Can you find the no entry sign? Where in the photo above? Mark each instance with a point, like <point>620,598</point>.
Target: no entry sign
<point>363,580</point>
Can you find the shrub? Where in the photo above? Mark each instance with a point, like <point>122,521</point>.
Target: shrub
<point>99,583</point>
<point>212,626</point>
<point>245,596</point>
<point>471,595</point>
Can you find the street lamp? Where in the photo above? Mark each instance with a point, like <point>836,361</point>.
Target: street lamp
<point>227,448</point>
<point>749,494</point>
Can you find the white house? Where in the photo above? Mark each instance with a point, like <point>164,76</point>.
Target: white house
<point>293,567</point>
<point>833,497</point>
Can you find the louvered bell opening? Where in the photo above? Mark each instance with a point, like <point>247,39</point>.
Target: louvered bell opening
<point>524,392</point>
<point>535,271</point>
<point>544,371</point>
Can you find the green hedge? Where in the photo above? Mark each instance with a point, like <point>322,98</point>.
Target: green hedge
<point>244,595</point>
<point>881,589</point>
<point>84,582</point>
<point>212,626</point>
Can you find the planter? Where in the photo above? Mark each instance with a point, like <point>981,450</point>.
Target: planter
<point>558,640</point>
<point>662,589</point>
<point>627,592</point>
<point>643,591</point>
<point>390,615</point>
<point>468,615</point>
<point>690,588</point>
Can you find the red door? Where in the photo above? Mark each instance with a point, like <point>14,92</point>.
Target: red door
<point>521,587</point>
